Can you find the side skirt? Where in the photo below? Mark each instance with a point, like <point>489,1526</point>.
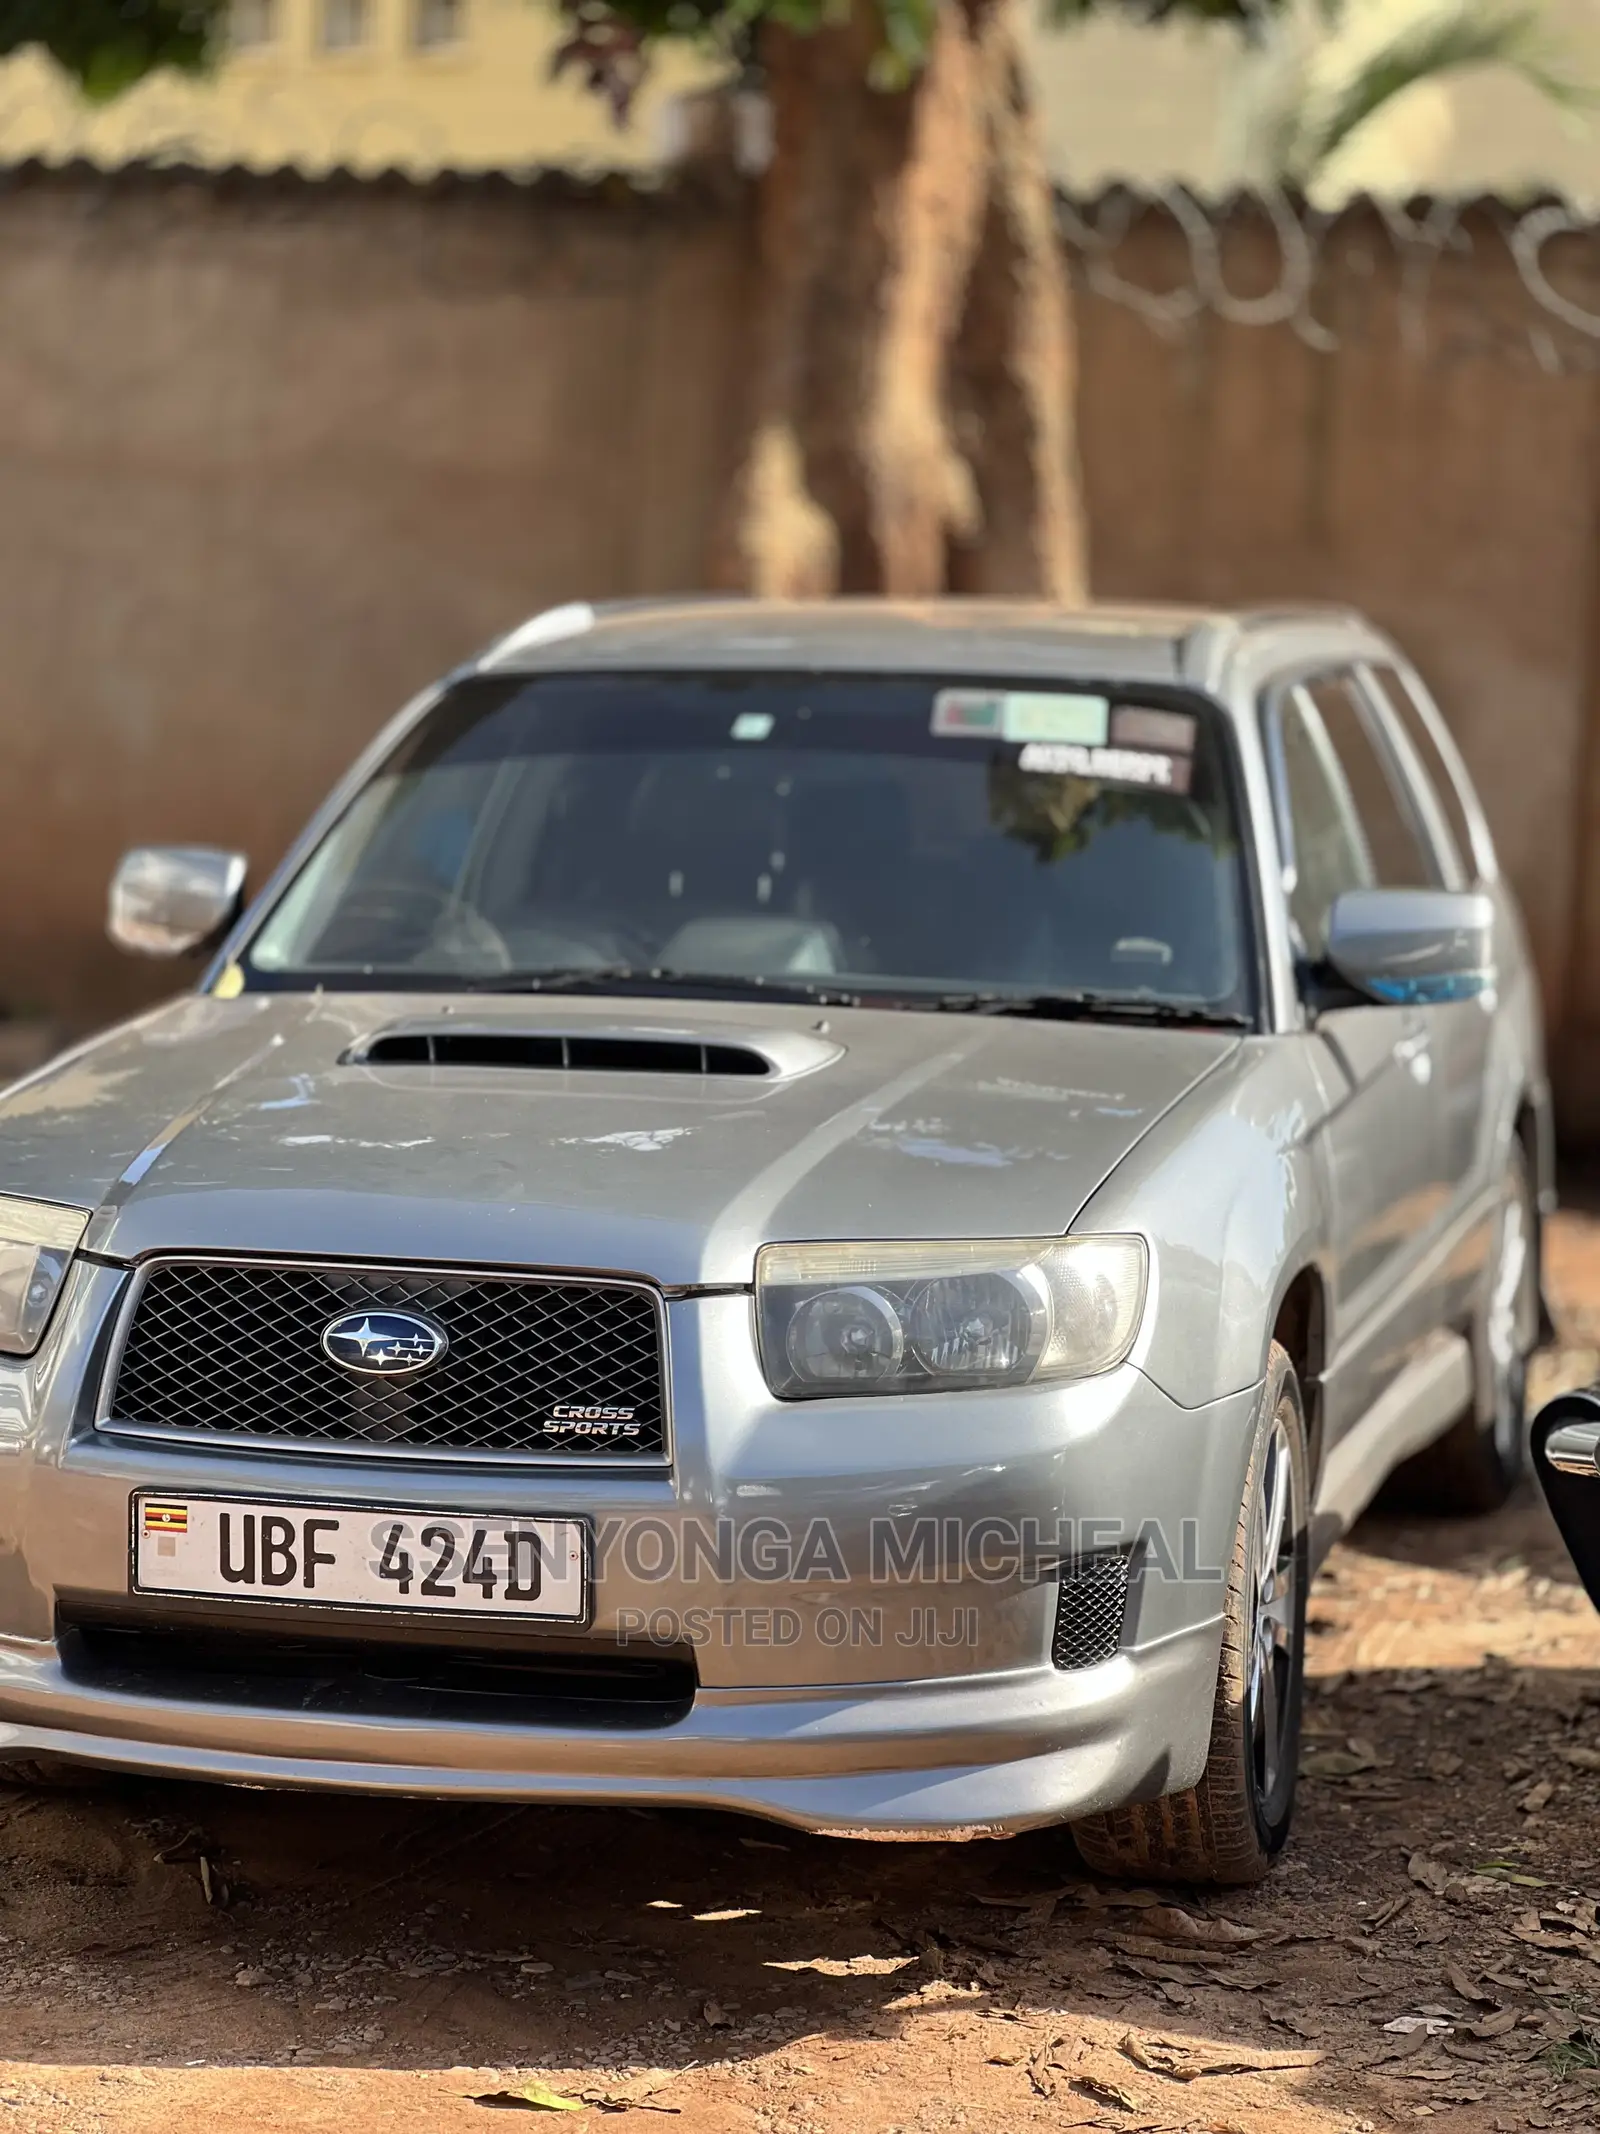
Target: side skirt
<point>1421,1404</point>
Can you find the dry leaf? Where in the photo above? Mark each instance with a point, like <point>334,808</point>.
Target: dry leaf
<point>1330,1763</point>
<point>1494,2026</point>
<point>1432,1874</point>
<point>1116,1900</point>
<point>532,2097</point>
<point>1530,1927</point>
<point>1043,2066</point>
<point>716,2017</point>
<point>1406,2043</point>
<point>1508,1871</point>
<point>1302,2026</point>
<point>1581,1759</point>
<point>1459,1982</point>
<point>1385,1912</point>
<point>1171,1923</point>
<point>1106,2092</point>
<point>1537,1797</point>
<point>1181,2062</point>
<point>1162,1973</point>
<point>640,2094</point>
<point>1025,1904</point>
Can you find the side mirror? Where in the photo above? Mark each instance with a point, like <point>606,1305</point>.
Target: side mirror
<point>167,900</point>
<point>1412,947</point>
<point>1566,1458</point>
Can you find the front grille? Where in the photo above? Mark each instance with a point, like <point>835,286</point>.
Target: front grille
<point>1091,1608</point>
<point>234,1351</point>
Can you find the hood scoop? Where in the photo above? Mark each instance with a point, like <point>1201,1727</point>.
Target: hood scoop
<point>588,1052</point>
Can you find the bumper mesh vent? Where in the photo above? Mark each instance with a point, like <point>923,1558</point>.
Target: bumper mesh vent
<point>1091,1608</point>
<point>542,1368</point>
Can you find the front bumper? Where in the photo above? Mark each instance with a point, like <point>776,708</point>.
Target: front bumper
<point>924,1703</point>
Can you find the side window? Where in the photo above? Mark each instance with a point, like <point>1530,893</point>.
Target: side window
<point>1441,778</point>
<point>1348,825</point>
<point>1330,853</point>
<point>1401,855</point>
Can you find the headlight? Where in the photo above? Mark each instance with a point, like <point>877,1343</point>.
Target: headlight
<point>37,1241</point>
<point>932,1318</point>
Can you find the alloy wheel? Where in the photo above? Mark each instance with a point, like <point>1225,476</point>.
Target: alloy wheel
<point>1505,1329</point>
<point>1275,1574</point>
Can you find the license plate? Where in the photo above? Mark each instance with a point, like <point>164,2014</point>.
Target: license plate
<point>502,1564</point>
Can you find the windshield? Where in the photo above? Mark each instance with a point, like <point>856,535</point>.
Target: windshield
<point>898,837</point>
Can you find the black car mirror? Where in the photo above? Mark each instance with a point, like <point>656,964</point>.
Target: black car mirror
<point>1566,1458</point>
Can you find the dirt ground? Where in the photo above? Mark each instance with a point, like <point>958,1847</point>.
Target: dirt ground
<point>186,1957</point>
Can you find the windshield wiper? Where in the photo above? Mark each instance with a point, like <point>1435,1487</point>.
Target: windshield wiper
<point>1089,1007</point>
<point>641,982</point>
<point>636,980</point>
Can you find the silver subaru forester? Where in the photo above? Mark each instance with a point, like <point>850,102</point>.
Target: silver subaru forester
<point>813,1210</point>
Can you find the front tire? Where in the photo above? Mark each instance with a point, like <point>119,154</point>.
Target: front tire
<point>1231,1825</point>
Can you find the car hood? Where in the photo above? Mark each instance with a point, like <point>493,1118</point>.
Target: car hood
<point>244,1125</point>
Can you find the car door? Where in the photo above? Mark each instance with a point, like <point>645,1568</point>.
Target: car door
<point>1343,827</point>
<point>1459,1031</point>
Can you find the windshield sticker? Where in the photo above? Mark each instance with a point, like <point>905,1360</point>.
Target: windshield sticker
<point>1140,726</point>
<point>1149,768</point>
<point>968,714</point>
<point>752,726</point>
<point>1055,718</point>
<point>1020,715</point>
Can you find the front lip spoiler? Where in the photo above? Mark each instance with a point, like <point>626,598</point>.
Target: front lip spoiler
<point>951,1757</point>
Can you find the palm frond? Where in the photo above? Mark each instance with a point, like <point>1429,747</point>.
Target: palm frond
<point>1467,35</point>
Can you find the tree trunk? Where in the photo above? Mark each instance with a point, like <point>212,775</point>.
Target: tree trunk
<point>911,405</point>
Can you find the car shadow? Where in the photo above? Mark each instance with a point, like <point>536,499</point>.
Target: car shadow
<point>1519,1542</point>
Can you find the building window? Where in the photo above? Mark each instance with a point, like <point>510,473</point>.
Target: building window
<point>439,22</point>
<point>252,23</point>
<point>344,24</point>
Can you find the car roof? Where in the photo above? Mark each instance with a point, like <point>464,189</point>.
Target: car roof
<point>1113,642</point>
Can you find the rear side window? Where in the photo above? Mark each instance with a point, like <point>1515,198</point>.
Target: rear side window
<point>1454,822</point>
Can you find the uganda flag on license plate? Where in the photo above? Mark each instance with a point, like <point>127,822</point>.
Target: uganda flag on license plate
<point>166,1518</point>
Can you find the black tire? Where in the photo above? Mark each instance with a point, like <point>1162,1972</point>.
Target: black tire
<point>1478,1462</point>
<point>1230,1827</point>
